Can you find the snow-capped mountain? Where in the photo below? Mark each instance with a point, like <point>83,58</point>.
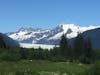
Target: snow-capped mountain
<point>39,36</point>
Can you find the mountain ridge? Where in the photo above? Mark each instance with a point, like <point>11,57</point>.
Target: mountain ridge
<point>40,36</point>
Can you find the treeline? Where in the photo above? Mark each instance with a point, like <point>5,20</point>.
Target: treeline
<point>2,43</point>
<point>80,51</point>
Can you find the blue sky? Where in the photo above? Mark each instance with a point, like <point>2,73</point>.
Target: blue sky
<point>47,13</point>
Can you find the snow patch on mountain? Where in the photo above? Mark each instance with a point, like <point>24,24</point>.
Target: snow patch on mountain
<point>36,36</point>
<point>82,29</point>
<point>73,27</point>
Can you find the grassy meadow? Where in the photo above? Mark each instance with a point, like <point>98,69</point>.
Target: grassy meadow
<point>40,67</point>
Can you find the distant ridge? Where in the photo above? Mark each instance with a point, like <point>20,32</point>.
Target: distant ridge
<point>9,42</point>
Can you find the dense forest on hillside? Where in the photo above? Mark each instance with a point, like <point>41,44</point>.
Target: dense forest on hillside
<point>80,52</point>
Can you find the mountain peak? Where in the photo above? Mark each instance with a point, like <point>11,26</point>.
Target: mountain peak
<point>67,24</point>
<point>26,29</point>
<point>66,27</point>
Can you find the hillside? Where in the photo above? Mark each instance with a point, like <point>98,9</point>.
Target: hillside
<point>9,42</point>
<point>94,36</point>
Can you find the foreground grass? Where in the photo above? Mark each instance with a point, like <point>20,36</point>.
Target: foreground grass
<point>39,67</point>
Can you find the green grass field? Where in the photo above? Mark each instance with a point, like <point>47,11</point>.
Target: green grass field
<point>39,67</point>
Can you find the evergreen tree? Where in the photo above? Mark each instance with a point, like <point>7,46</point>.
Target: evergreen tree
<point>88,48</point>
<point>64,48</point>
<point>79,47</point>
<point>2,43</point>
<point>88,51</point>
